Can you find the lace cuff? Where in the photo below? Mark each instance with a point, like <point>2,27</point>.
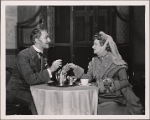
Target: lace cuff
<point>117,85</point>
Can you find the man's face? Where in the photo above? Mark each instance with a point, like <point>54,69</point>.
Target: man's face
<point>44,40</point>
<point>97,48</point>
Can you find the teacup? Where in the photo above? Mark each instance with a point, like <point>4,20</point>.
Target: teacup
<point>84,82</point>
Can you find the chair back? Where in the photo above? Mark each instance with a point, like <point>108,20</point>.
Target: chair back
<point>8,74</point>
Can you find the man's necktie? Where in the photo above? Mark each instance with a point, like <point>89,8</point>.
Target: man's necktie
<point>42,60</point>
<point>44,63</point>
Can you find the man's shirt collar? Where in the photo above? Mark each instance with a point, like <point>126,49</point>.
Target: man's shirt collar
<point>37,49</point>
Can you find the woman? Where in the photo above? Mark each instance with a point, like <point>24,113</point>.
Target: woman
<point>109,71</point>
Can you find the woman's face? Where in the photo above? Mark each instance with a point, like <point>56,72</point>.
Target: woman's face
<point>97,48</point>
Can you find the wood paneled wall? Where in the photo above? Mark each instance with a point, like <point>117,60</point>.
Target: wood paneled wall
<point>11,36</point>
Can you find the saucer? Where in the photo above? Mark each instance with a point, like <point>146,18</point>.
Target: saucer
<point>89,84</point>
<point>56,84</point>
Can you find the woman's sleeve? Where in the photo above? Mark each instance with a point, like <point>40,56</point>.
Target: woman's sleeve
<point>79,72</point>
<point>122,80</point>
<point>90,71</point>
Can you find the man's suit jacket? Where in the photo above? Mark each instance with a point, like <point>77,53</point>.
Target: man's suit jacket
<point>27,71</point>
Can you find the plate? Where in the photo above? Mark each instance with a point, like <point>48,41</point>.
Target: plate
<point>55,84</point>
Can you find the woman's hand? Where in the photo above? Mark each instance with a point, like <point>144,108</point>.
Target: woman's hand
<point>65,68</point>
<point>101,87</point>
<point>112,87</point>
<point>71,65</point>
<point>109,84</point>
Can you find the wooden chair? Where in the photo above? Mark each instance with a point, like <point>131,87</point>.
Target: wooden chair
<point>15,109</point>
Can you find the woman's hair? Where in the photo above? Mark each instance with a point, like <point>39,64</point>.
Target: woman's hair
<point>36,33</point>
<point>102,41</point>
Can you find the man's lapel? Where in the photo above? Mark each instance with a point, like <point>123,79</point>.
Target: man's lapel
<point>36,61</point>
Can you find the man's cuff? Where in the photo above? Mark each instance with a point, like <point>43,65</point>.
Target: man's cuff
<point>49,72</point>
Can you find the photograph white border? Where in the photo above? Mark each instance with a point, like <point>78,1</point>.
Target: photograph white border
<point>54,3</point>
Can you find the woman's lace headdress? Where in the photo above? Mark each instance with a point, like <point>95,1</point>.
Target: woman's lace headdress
<point>116,57</point>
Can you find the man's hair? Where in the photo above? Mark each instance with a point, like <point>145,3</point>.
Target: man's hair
<point>36,33</point>
<point>102,41</point>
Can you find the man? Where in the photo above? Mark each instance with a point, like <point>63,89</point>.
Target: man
<point>29,70</point>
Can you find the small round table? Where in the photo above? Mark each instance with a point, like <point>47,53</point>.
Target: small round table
<point>74,100</point>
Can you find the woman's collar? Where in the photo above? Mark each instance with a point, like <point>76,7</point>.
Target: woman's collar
<point>103,56</point>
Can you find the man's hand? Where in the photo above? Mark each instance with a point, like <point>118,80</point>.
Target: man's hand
<point>55,65</point>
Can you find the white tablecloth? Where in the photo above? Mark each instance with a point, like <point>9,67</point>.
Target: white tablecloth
<point>76,100</point>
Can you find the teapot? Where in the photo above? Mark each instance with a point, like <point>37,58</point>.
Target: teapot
<point>61,77</point>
